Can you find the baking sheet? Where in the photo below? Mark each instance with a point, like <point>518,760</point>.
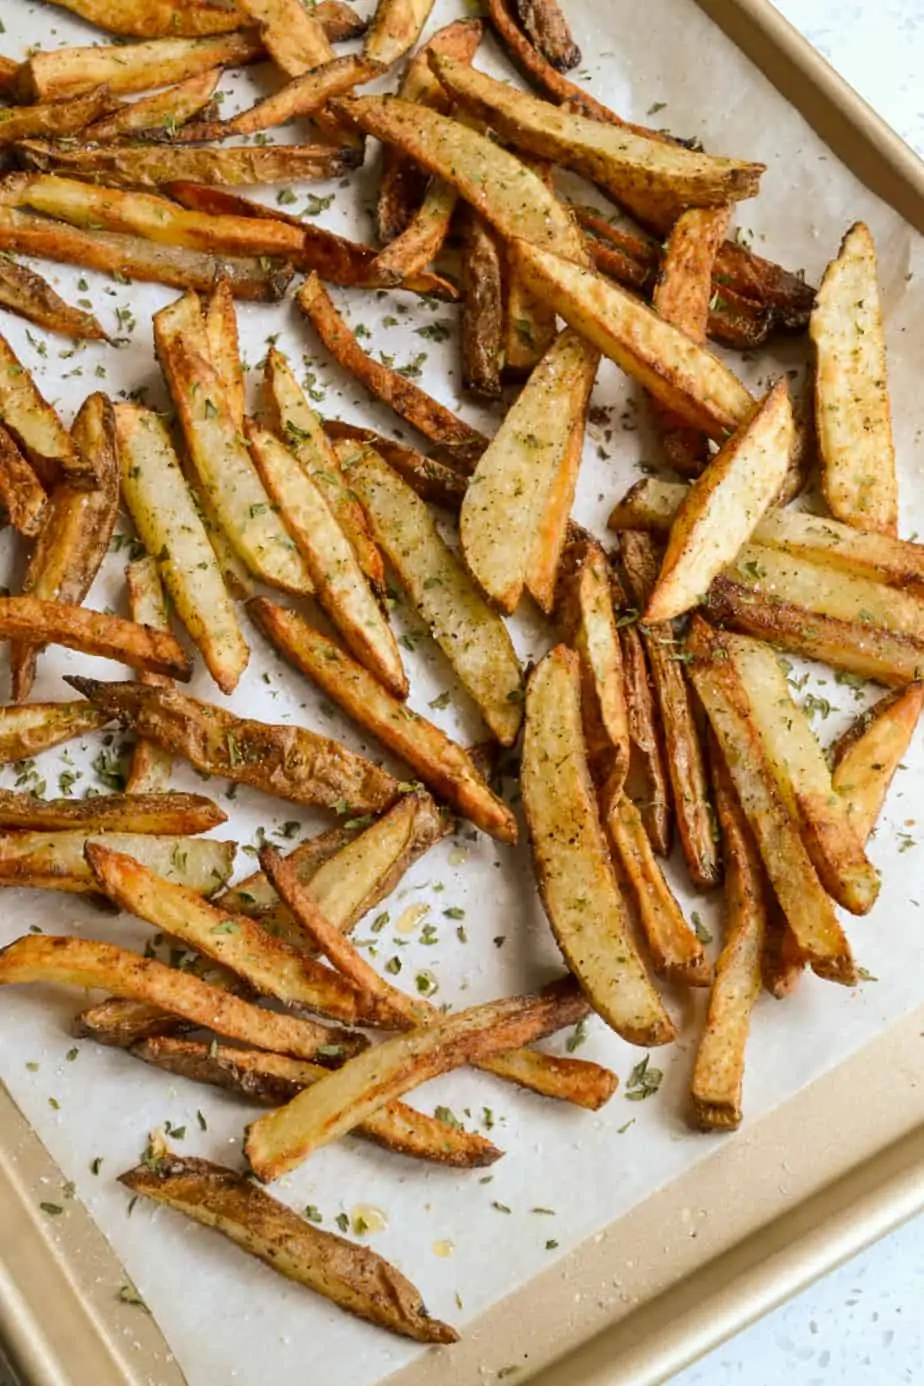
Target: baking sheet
<point>229,1320</point>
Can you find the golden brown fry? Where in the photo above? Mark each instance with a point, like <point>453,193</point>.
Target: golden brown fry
<point>151,767</point>
<point>22,495</point>
<point>866,757</point>
<point>395,28</point>
<point>119,1023</point>
<point>350,1275</point>
<point>55,119</point>
<point>288,761</point>
<point>57,860</point>
<point>62,73</point>
<point>224,348</point>
<point>538,69</point>
<point>158,18</point>
<point>279,1141</point>
<point>782,961</point>
<point>547,29</point>
<point>27,294</point>
<point>803,454</point>
<point>421,240</point>
<point>92,632</point>
<point>408,400</point>
<point>157,814</point>
<point>807,907</point>
<point>86,963</point>
<point>151,165</point>
<point>272,1079</point>
<point>293,36</point>
<point>36,428</point>
<point>482,326</point>
<point>430,479</point>
<point>579,891</point>
<point>162,110</point>
<point>530,324</point>
<point>339,20</point>
<point>303,96</point>
<point>35,727</point>
<point>439,762</point>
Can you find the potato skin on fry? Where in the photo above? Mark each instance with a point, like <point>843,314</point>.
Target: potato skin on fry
<point>22,495</point>
<point>866,757</point>
<point>158,18</point>
<point>171,813</point>
<point>68,72</point>
<point>93,632</point>
<point>27,294</point>
<point>57,860</point>
<point>151,165</point>
<point>27,730</point>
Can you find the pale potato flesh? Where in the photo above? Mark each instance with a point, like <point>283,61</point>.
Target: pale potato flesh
<point>56,860</point>
<point>867,756</point>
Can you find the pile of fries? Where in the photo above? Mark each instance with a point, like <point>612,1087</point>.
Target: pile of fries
<point>660,708</point>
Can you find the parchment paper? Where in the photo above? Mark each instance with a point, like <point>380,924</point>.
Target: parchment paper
<point>566,1173</point>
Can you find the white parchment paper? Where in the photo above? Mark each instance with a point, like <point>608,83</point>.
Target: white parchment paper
<point>566,1173</point>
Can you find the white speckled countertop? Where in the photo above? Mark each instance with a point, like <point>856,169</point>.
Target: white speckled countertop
<point>862,1325</point>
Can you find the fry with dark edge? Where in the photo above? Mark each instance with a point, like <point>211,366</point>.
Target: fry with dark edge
<point>866,757</point>
<point>395,27</point>
<point>272,1079</point>
<point>429,478</point>
<point>93,632</point>
<point>79,962</point>
<point>56,118</point>
<point>36,429</point>
<point>171,813</point>
<point>782,961</point>
<point>482,326</point>
<point>29,296</point>
<point>151,767</point>
<point>224,347</point>
<point>151,165</point>
<point>57,860</point>
<point>353,1276</point>
<point>288,761</point>
<point>339,20</point>
<point>530,325</point>
<point>162,110</point>
<point>547,29</point>
<point>293,35</point>
<point>27,730</point>
<point>433,419</point>
<point>22,495</point>
<point>302,96</point>
<point>422,239</point>
<point>158,18</point>
<point>442,765</point>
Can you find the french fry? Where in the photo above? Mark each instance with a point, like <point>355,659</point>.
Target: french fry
<point>151,165</point>
<point>530,324</point>
<point>575,875</point>
<point>263,279</point>
<point>650,505</point>
<point>224,348</point>
<point>282,1139</point>
<point>353,1276</point>
<point>482,326</point>
<point>722,508</point>
<point>86,963</point>
<point>155,814</point>
<point>158,18</point>
<point>434,420</point>
<point>217,451</point>
<point>852,410</point>
<point>288,761</point>
<point>420,242</point>
<point>681,375</point>
<point>802,897</point>
<point>335,570</point>
<point>429,478</point>
<point>92,632</point>
<point>36,428</point>
<point>719,1070</point>
<point>395,28</point>
<point>162,110</point>
<point>119,1023</point>
<point>29,296</point>
<point>293,36</point>
<point>515,511</point>
<point>535,65</point>
<point>54,119</point>
<point>22,495</point>
<point>271,967</point>
<point>675,950</point>
<point>803,453</point>
<point>151,767</point>
<point>56,860</point>
<point>27,730</point>
<point>782,961</point>
<point>547,29</point>
<point>166,518</point>
<point>622,160</point>
<point>866,757</point>
<point>682,746</point>
<point>63,73</point>
<point>472,637</point>
<point>303,96</point>
<point>442,765</point>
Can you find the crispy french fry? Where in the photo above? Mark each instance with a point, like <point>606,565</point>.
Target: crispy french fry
<point>158,18</point>
<point>515,510</point>
<point>22,495</point>
<point>433,419</point>
<point>470,634</point>
<point>86,963</point>
<point>54,119</point>
<point>439,762</point>
<point>335,571</point>
<point>482,327</point>
<point>421,240</point>
<point>429,478</point>
<point>56,860</point>
<point>217,451</point>
<point>682,745</point>
<point>272,1079</point>
<point>36,428</point>
<point>290,762</point>
<point>576,881</point>
<point>29,296</point>
<point>162,110</point>
<point>804,901</point>
<point>167,520</point>
<point>852,409</point>
<point>339,20</point>
<point>803,453</point>
<point>680,374</point>
<point>866,757</point>
<point>530,324</point>
<point>156,814</point>
<point>353,1276</point>
<point>224,348</point>
<point>151,165</point>
<point>293,36</point>
<point>151,767</point>
<point>27,730</point>
<point>119,1023</point>
<point>719,1070</point>
<point>650,504</point>
<point>395,28</point>
<point>62,73</point>
<point>782,961</point>
<point>92,632</point>
<point>279,1141</point>
<point>303,96</point>
<point>547,29</point>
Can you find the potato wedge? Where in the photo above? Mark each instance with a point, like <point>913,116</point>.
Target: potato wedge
<point>338,579</point>
<point>279,1141</point>
<point>576,881</point>
<point>154,814</point>
<point>290,762</point>
<point>168,522</point>
<point>92,632</point>
<point>464,443</point>
<point>157,18</point>
<point>300,428</point>
<point>353,1276</point>
<point>442,765</point>
<point>219,454</point>
<point>618,158</point>
<point>472,637</point>
<point>224,347</point>
<point>303,96</point>
<point>22,495</point>
<point>394,29</point>
<point>293,36</point>
<point>27,730</point>
<point>530,325</point>
<point>62,73</point>
<point>852,409</point>
<point>722,508</point>
<point>719,1070</point>
<point>505,192</point>
<point>782,961</point>
<point>422,239</point>
<point>482,327</point>
<point>515,510</point>
<point>651,505</point>
<point>29,296</point>
<point>535,65</point>
<point>547,29</point>
<point>271,967</point>
<point>56,860</point>
<point>866,757</point>
<point>339,20</point>
<point>36,428</point>
<point>151,165</point>
<point>682,745</point>
<point>263,280</point>
<point>162,110</point>
<point>54,119</point>
<point>804,901</point>
<point>151,766</point>
<point>427,477</point>
<point>86,963</point>
<point>681,375</point>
